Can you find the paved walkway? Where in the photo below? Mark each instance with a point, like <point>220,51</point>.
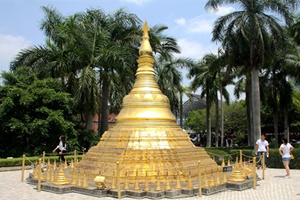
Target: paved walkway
<point>274,187</point>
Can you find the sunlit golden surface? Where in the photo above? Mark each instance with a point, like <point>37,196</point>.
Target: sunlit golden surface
<point>145,137</point>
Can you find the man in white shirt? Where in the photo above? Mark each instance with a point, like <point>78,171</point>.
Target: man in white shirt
<point>262,146</point>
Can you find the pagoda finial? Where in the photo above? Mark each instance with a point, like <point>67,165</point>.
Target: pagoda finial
<point>145,46</point>
<point>145,27</point>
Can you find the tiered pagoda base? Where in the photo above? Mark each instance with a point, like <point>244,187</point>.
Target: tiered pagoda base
<point>151,147</point>
<point>180,193</point>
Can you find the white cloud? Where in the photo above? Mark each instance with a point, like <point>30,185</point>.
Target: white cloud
<point>180,21</point>
<point>196,25</point>
<point>200,25</point>
<point>9,48</point>
<point>223,10</point>
<point>138,2</point>
<point>194,49</point>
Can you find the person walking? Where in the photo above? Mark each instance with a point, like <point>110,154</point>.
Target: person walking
<point>61,148</point>
<point>262,146</point>
<point>285,150</point>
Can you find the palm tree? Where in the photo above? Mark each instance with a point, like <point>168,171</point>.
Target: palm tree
<point>295,29</point>
<point>223,77</point>
<point>87,94</point>
<point>162,44</point>
<point>204,77</point>
<point>86,44</point>
<point>116,55</point>
<point>169,77</point>
<point>253,24</point>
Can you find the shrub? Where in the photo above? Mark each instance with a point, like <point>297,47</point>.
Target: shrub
<point>273,161</point>
<point>29,160</point>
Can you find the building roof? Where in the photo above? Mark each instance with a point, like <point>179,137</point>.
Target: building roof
<point>194,103</point>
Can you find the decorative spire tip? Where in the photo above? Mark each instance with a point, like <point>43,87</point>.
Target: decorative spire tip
<point>145,27</point>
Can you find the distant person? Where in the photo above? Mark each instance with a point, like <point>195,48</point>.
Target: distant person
<point>204,140</point>
<point>61,148</point>
<point>194,138</point>
<point>213,139</point>
<point>225,140</point>
<point>229,141</point>
<point>201,139</point>
<point>262,146</point>
<point>285,151</point>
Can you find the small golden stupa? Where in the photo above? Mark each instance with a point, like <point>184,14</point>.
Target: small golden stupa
<point>145,137</point>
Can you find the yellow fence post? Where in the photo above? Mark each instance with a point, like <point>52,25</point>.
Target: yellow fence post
<point>75,158</point>
<point>23,168</point>
<point>254,172</point>
<point>118,181</point>
<point>82,152</point>
<point>43,157</point>
<point>39,175</point>
<point>241,156</point>
<point>199,179</point>
<point>264,165</point>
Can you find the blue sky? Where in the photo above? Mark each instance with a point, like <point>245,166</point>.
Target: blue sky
<point>188,22</point>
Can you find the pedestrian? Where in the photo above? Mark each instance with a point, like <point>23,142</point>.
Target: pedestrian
<point>262,146</point>
<point>61,148</point>
<point>285,151</point>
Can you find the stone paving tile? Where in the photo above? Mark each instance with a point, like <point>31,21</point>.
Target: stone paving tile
<point>274,187</point>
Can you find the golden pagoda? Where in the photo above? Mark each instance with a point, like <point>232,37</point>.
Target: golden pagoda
<point>145,138</point>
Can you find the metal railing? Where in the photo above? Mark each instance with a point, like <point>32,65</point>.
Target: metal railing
<point>117,184</point>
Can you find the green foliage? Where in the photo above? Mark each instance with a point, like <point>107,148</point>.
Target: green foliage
<point>33,114</point>
<point>234,115</point>
<point>273,161</point>
<point>86,139</point>
<point>196,120</point>
<point>30,160</point>
<point>294,113</point>
<point>240,139</point>
<point>296,145</point>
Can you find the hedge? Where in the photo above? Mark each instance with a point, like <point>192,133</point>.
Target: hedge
<point>18,161</point>
<point>273,161</point>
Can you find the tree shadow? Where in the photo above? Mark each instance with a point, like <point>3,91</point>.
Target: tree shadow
<point>278,176</point>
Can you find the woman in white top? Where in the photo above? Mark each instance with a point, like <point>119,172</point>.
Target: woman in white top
<point>61,148</point>
<point>285,150</point>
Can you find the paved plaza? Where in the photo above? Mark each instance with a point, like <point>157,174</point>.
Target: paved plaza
<point>274,187</point>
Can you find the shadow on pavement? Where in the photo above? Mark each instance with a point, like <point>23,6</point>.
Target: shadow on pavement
<point>278,176</point>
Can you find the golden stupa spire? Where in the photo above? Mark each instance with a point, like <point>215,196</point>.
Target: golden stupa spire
<point>145,47</point>
<point>145,137</point>
<point>145,101</point>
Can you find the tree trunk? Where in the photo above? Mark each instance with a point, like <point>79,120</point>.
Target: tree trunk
<point>275,115</point>
<point>89,121</point>
<point>286,125</point>
<point>208,122</point>
<point>222,117</point>
<point>275,119</point>
<point>104,114</point>
<point>217,120</point>
<point>255,96</point>
<point>180,110</point>
<point>99,116</point>
<point>249,110</point>
<point>99,124</point>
